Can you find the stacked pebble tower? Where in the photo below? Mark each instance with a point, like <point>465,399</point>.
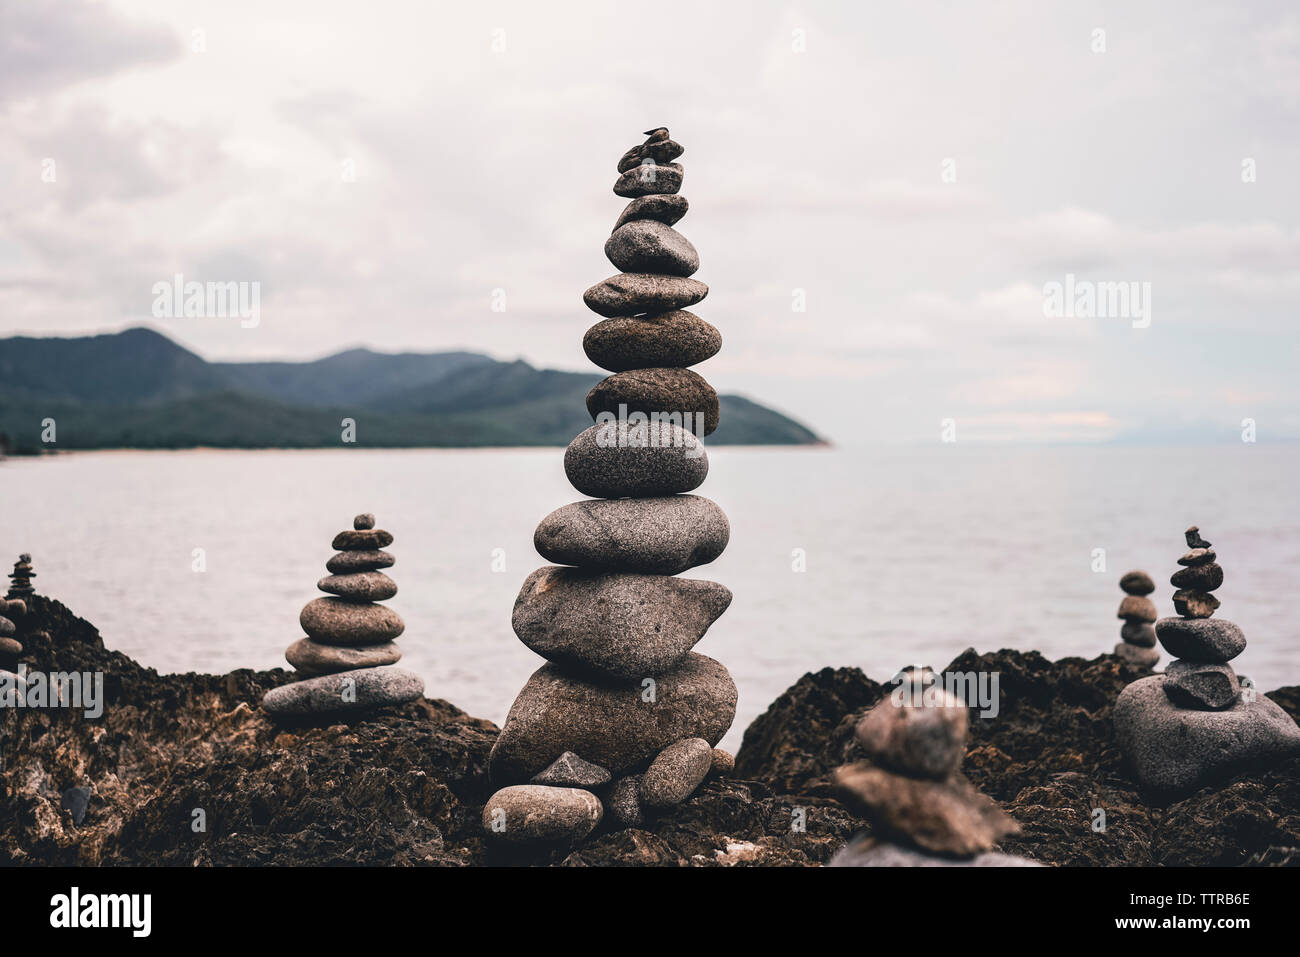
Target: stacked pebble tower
<point>622,719</point>
<point>1137,637</point>
<point>20,579</point>
<point>349,647</point>
<point>1192,725</point>
<point>923,811</point>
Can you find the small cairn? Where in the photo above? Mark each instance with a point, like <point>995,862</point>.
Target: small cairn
<point>923,812</point>
<point>345,659</point>
<point>621,721</point>
<point>20,579</point>
<point>1192,725</point>
<point>1137,636</point>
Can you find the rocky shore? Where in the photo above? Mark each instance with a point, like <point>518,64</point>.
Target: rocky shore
<point>188,769</point>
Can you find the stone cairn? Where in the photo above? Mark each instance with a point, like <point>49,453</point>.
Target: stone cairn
<point>344,660</point>
<point>623,717</point>
<point>1138,636</point>
<point>1192,725</point>
<point>923,812</point>
<point>20,579</point>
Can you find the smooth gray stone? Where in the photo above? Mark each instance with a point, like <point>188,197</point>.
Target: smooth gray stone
<point>346,563</point>
<point>1209,640</point>
<point>334,621</point>
<point>346,691</point>
<point>625,802</point>
<point>610,460</point>
<point>535,813</point>
<point>1206,577</point>
<point>649,180</point>
<point>723,763</point>
<point>357,540</point>
<point>1137,583</point>
<point>662,151</point>
<point>657,536</point>
<point>1137,655</point>
<point>1198,556</point>
<point>619,725</point>
<point>359,586</point>
<point>570,771</point>
<point>1137,608</point>
<point>313,658</point>
<point>1206,687</point>
<point>649,246</point>
<point>865,852</point>
<point>921,740</point>
<point>76,801</point>
<point>678,392</point>
<point>1176,751</point>
<point>615,624</point>
<point>1140,633</point>
<point>670,340</point>
<point>664,208</point>
<point>675,773</point>
<point>637,293</point>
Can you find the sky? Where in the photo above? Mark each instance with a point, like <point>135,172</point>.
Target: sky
<point>882,194</point>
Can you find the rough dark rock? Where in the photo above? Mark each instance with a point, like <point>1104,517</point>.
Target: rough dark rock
<point>679,392</point>
<point>570,771</point>
<point>635,293</point>
<point>657,536</point>
<point>661,151</point>
<point>673,339</point>
<point>76,801</point>
<point>625,802</point>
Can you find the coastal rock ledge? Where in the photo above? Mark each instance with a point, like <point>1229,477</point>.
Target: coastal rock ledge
<point>407,785</point>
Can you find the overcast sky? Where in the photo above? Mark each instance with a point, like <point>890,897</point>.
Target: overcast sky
<point>211,138</point>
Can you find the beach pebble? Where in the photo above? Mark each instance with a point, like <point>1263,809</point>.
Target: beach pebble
<point>346,563</point>
<point>364,522</point>
<point>635,293</point>
<point>313,658</point>
<point>1137,583</point>
<point>625,803</point>
<point>723,763</point>
<point>1198,556</point>
<point>355,540</point>
<point>1137,654</point>
<point>664,208</point>
<point>681,392</point>
<point>359,586</point>
<point>1205,577</point>
<point>1140,633</point>
<point>676,772</point>
<point>1195,604</point>
<point>926,740</point>
<point>346,691</point>
<point>658,536</point>
<point>615,624</point>
<point>619,725</point>
<point>670,340</point>
<point>649,246</point>
<point>535,813</point>
<point>610,460</point>
<point>1207,687</point>
<point>660,151</point>
<point>1201,639</point>
<point>1137,608</point>
<point>570,771</point>
<point>648,179</point>
<point>1176,750</point>
<point>338,622</point>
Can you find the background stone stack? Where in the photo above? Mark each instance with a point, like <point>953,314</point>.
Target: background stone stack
<point>20,579</point>
<point>1137,637</point>
<point>923,811</point>
<point>349,641</point>
<point>623,718</point>
<point>1192,725</point>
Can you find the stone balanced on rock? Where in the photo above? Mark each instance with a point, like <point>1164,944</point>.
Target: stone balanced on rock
<point>1137,643</point>
<point>349,648</point>
<point>1193,725</point>
<point>923,812</point>
<point>622,721</point>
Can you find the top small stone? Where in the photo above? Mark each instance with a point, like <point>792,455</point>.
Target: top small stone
<point>1194,539</point>
<point>923,736</point>
<point>364,521</point>
<point>656,135</point>
<point>1137,583</point>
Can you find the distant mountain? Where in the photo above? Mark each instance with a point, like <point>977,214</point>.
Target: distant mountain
<point>138,389</point>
